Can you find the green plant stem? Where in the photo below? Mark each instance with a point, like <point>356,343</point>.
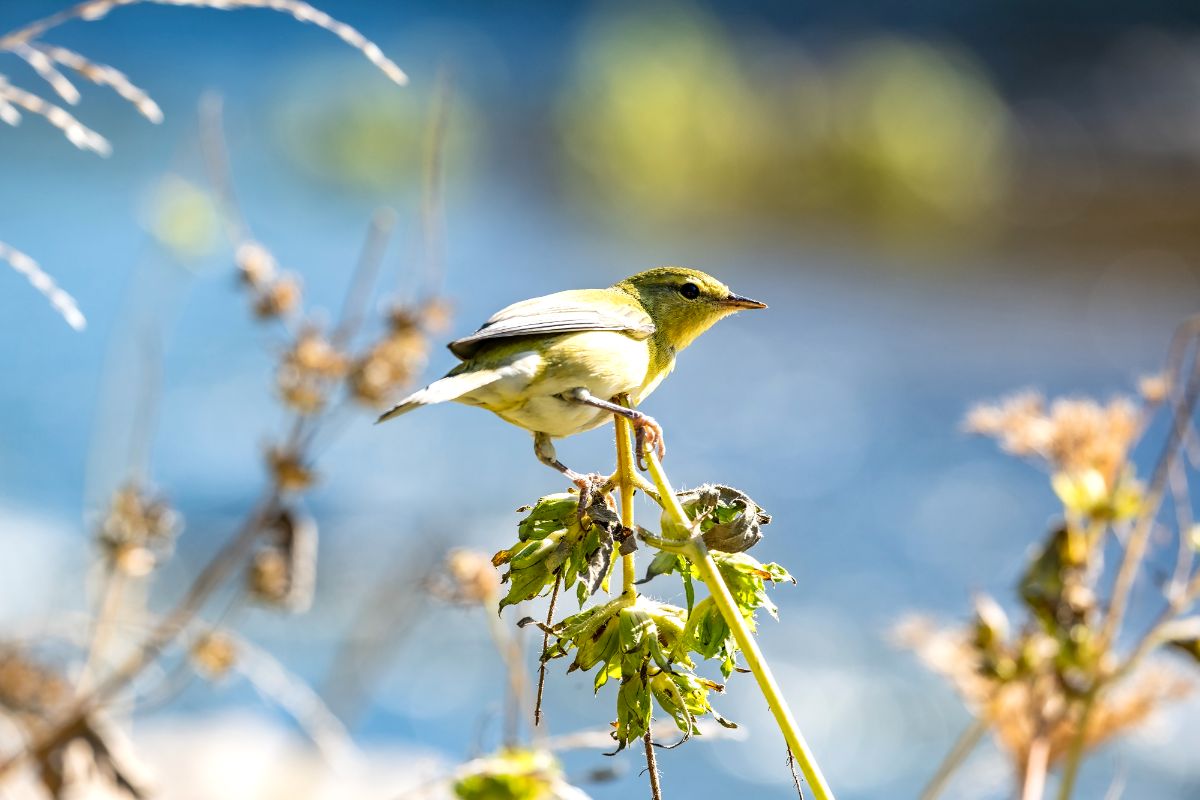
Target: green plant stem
<point>1075,754</point>
<point>698,554</point>
<point>963,747</point>
<point>627,481</point>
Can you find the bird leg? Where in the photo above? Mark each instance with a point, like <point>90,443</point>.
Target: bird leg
<point>543,448</point>
<point>646,430</point>
<point>589,485</point>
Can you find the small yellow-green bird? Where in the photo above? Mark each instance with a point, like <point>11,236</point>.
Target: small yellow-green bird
<point>554,365</point>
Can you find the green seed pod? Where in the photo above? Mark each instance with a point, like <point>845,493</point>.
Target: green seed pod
<point>730,521</point>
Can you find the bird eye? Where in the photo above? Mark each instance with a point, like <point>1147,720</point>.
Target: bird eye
<point>690,290</point>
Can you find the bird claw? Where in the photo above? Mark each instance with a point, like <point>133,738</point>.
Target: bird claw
<point>590,486</point>
<point>648,433</point>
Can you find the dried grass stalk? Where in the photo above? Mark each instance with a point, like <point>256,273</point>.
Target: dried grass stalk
<point>76,132</point>
<point>302,12</point>
<point>104,75</point>
<point>62,302</point>
<point>46,61</point>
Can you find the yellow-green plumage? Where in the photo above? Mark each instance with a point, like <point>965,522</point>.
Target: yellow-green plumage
<point>525,362</point>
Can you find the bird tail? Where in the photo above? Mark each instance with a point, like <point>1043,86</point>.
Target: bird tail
<point>448,388</point>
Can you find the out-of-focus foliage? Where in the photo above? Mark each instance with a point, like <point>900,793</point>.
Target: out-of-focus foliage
<point>1061,682</point>
<point>667,118</point>
<point>181,216</point>
<point>371,141</point>
<point>515,775</point>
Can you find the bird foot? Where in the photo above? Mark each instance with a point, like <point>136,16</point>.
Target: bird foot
<point>648,433</point>
<point>591,487</point>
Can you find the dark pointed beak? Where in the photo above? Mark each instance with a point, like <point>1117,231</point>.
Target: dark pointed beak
<point>737,301</point>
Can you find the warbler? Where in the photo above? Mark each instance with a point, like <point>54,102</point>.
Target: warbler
<point>557,365</point>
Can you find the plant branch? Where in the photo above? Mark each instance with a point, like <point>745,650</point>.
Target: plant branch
<point>627,480</point>
<point>1135,549</point>
<point>1033,782</point>
<point>168,628</point>
<point>510,652</point>
<point>963,747</point>
<point>1070,771</point>
<point>541,685</point>
<point>698,554</point>
<point>652,767</point>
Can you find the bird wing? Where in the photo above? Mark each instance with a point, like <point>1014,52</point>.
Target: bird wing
<point>564,312</point>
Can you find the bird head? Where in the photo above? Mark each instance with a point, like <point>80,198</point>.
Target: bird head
<point>684,303</point>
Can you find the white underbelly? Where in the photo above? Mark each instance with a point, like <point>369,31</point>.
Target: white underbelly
<point>555,417</point>
<point>530,394</point>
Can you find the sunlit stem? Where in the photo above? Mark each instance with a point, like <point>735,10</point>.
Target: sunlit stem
<point>697,553</point>
<point>627,480</point>
<point>1078,744</point>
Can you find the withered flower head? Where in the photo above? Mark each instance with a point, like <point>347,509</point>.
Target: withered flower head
<point>213,654</point>
<point>1017,704</point>
<point>314,353</point>
<point>34,694</point>
<point>308,371</point>
<point>471,578</point>
<point>1074,435</point>
<point>256,266</point>
<point>278,298</point>
<point>289,472</point>
<point>389,366</point>
<point>1154,388</point>
<point>435,314</point>
<point>137,529</point>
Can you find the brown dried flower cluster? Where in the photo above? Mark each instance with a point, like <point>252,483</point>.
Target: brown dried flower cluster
<point>468,578</point>
<point>1013,686</point>
<point>275,293</point>
<point>1064,683</point>
<point>58,67</point>
<point>32,694</point>
<point>137,530</point>
<point>309,372</point>
<point>291,473</point>
<point>213,654</point>
<point>1073,435</point>
<point>283,570</point>
<point>400,355</point>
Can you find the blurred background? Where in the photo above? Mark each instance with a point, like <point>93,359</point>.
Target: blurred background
<point>941,202</point>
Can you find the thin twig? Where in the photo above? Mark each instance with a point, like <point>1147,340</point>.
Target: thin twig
<point>1185,555</point>
<point>105,621</point>
<point>432,206</point>
<point>1135,548</point>
<point>510,652</point>
<point>791,762</point>
<point>60,300</point>
<point>376,631</point>
<point>652,767</point>
<point>169,627</point>
<point>541,684</point>
<point>962,748</point>
<point>220,175</point>
<point>1070,770</point>
<point>90,10</point>
<point>358,295</point>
